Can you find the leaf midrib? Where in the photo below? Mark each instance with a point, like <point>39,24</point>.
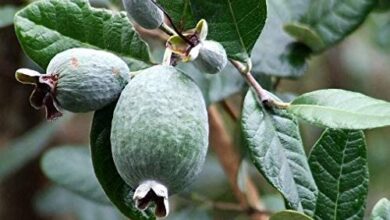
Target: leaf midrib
<point>236,26</point>
<point>269,117</point>
<point>336,109</point>
<point>340,175</point>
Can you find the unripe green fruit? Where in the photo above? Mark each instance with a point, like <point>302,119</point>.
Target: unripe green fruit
<point>144,13</point>
<point>87,79</point>
<point>78,80</point>
<point>159,134</point>
<point>212,57</point>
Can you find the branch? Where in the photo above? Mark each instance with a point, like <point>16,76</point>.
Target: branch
<point>230,110</point>
<point>225,206</point>
<point>263,94</point>
<point>222,144</point>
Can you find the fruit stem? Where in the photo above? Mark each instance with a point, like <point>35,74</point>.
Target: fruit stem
<point>151,191</point>
<point>175,31</point>
<point>168,30</point>
<point>263,94</point>
<point>167,57</point>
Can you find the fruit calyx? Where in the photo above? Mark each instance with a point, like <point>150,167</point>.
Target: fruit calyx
<point>43,95</point>
<point>149,192</point>
<point>184,50</point>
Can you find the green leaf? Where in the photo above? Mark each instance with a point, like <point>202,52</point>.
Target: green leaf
<point>381,210</point>
<point>379,30</point>
<point>120,194</point>
<point>276,148</point>
<point>58,201</point>
<point>236,24</point>
<point>326,23</point>
<point>275,52</point>
<point>7,13</point>
<point>47,27</point>
<point>340,109</point>
<point>383,5</point>
<point>180,12</point>
<point>290,215</point>
<point>338,162</point>
<point>27,147</point>
<point>71,168</point>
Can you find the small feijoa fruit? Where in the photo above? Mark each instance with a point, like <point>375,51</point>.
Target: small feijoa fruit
<point>159,135</point>
<point>145,13</point>
<point>212,57</point>
<point>77,80</point>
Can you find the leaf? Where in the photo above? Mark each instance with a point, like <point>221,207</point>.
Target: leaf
<point>330,21</point>
<point>276,148</point>
<point>47,27</point>
<point>27,147</point>
<point>71,168</point>
<point>383,5</point>
<point>236,24</point>
<point>340,109</point>
<point>290,215</point>
<point>275,52</point>
<point>273,202</point>
<point>379,29</point>
<point>7,13</point>
<point>113,185</point>
<point>381,210</point>
<point>58,201</point>
<point>180,12</point>
<point>338,162</point>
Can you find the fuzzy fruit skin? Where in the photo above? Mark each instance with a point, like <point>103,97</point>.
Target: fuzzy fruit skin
<point>160,129</point>
<point>212,57</point>
<point>144,13</point>
<point>88,79</point>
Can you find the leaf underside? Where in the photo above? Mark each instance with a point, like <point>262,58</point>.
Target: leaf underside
<point>332,21</point>
<point>381,210</point>
<point>340,109</point>
<point>275,52</point>
<point>339,165</point>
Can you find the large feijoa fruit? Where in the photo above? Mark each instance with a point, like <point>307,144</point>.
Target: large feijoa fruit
<point>144,12</point>
<point>77,80</point>
<point>159,135</point>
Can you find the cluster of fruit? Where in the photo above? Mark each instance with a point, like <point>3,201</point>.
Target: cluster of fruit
<point>159,132</point>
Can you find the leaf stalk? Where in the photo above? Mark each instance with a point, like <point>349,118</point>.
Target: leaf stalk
<point>262,93</point>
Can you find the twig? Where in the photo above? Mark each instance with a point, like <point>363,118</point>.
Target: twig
<point>222,144</point>
<point>167,57</point>
<point>277,82</point>
<point>263,94</point>
<point>225,206</point>
<point>229,109</point>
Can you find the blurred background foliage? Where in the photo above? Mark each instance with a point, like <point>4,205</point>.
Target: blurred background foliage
<point>360,63</point>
